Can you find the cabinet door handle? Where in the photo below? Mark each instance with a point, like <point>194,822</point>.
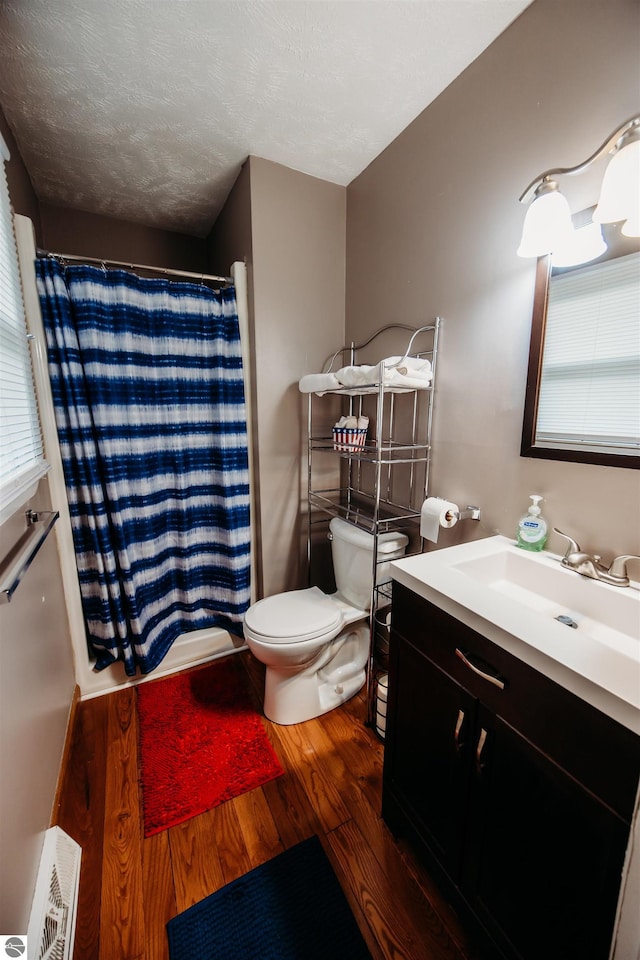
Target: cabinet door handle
<point>482,739</point>
<point>497,681</point>
<point>458,728</point>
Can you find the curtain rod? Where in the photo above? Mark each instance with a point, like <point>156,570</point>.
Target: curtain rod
<point>136,266</point>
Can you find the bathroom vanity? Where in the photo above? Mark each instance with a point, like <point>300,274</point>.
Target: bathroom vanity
<point>513,775</point>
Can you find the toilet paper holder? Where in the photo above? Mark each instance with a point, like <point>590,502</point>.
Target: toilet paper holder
<point>436,512</point>
<point>469,513</point>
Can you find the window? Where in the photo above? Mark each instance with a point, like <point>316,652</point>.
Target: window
<point>583,390</point>
<point>590,383</point>
<point>22,461</point>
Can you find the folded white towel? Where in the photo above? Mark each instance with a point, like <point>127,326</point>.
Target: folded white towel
<point>418,368</point>
<point>318,383</point>
<point>409,372</point>
<point>359,376</point>
<point>413,373</point>
<point>400,384</point>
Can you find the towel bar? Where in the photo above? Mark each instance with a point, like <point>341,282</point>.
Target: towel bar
<point>21,556</point>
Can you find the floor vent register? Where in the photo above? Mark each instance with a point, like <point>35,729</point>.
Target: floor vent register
<point>53,913</point>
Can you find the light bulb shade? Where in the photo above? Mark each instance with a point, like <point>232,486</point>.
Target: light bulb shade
<point>620,193</point>
<point>547,224</point>
<point>585,244</point>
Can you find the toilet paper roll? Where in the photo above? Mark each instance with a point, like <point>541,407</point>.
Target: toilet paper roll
<point>436,513</point>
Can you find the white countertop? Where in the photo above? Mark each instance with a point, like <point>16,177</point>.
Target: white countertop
<point>605,674</point>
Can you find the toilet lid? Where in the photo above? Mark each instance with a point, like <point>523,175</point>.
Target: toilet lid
<point>293,616</point>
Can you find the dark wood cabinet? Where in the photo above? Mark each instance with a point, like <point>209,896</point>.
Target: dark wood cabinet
<point>518,793</point>
<point>544,855</point>
<point>431,741</point>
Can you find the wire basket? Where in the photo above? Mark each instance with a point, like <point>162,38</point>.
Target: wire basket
<point>382,618</point>
<point>349,439</point>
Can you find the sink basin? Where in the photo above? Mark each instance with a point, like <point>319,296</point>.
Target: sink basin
<point>540,583</point>
<point>514,597</point>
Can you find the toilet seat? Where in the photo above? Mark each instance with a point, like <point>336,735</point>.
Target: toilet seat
<point>293,617</point>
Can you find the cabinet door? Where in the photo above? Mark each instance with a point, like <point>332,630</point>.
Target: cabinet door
<point>542,870</point>
<point>431,730</point>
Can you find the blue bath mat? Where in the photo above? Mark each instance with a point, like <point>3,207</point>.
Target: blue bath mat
<point>289,908</point>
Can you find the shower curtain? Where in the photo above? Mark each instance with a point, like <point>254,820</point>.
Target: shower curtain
<point>148,391</point>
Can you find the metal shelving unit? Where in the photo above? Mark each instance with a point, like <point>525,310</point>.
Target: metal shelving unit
<point>383,483</point>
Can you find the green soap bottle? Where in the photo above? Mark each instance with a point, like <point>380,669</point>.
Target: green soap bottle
<point>532,528</point>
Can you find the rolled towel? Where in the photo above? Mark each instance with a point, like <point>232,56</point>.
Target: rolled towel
<point>412,373</point>
<point>346,423</point>
<point>318,383</point>
<point>358,376</point>
<point>414,367</point>
<point>352,423</point>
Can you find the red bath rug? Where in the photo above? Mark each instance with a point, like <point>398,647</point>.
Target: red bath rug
<point>201,743</point>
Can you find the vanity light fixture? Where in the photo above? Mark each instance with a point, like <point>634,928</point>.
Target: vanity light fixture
<point>547,223</point>
<point>585,244</point>
<point>548,227</point>
<point>620,191</point>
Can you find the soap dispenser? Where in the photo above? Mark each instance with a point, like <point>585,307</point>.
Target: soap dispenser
<point>532,528</point>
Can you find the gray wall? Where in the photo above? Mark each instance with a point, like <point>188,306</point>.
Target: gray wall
<point>36,690</point>
<point>36,680</point>
<point>298,225</point>
<point>293,236</point>
<point>230,239</point>
<point>92,235</point>
<point>22,194</point>
<point>432,228</point>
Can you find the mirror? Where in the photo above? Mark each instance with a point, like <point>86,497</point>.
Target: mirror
<point>582,400</point>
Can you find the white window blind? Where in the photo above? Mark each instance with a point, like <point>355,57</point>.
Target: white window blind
<point>21,454</point>
<point>589,397</point>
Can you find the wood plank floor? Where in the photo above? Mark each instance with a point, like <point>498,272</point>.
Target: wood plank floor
<point>130,886</point>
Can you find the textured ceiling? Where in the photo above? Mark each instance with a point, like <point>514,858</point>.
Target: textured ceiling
<point>146,109</point>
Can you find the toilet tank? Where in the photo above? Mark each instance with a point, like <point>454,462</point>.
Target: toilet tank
<point>352,554</point>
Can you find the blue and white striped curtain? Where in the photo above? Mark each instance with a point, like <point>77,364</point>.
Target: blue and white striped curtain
<point>149,399</point>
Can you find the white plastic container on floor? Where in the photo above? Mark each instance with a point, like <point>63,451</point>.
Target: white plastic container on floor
<point>382,691</point>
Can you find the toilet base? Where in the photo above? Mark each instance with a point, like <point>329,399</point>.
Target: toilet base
<point>304,680</point>
<point>294,698</point>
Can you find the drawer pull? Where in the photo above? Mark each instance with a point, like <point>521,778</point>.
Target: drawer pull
<point>456,733</point>
<point>496,681</point>
<point>482,739</point>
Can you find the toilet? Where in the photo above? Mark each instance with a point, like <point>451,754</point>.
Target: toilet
<point>315,645</point>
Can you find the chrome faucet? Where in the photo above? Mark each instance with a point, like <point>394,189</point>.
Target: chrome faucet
<point>590,566</point>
